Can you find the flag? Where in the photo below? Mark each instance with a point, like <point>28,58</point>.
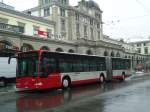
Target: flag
<point>42,33</point>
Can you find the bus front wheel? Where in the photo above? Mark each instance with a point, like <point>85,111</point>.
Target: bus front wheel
<point>65,83</point>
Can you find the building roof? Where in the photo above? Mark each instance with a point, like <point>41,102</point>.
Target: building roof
<point>144,41</point>
<point>92,4</point>
<point>31,9</point>
<point>89,4</point>
<point>40,19</point>
<point>6,6</point>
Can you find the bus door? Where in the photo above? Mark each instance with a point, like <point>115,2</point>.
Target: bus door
<point>109,68</point>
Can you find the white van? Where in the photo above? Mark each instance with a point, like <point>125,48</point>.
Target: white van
<point>7,71</point>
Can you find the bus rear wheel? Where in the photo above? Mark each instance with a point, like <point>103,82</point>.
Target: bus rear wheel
<point>65,83</point>
<point>102,79</point>
<point>123,78</point>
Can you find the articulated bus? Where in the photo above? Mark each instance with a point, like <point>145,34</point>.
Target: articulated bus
<point>44,69</point>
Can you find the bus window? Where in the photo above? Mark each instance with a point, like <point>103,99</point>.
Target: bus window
<point>65,65</point>
<point>86,67</point>
<point>92,65</point>
<point>113,64</point>
<point>47,66</point>
<point>100,65</point>
<point>69,65</point>
<point>80,66</point>
<point>127,64</point>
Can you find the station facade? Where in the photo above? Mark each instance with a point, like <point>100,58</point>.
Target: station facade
<point>56,26</point>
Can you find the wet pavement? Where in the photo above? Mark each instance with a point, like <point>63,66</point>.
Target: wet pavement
<point>129,96</point>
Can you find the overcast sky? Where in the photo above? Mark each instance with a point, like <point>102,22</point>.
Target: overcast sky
<point>128,19</point>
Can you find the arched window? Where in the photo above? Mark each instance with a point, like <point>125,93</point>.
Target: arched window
<point>112,54</point>
<point>71,51</point>
<point>59,50</point>
<point>132,58</point>
<point>89,52</point>
<point>26,47</point>
<point>105,53</point>
<point>6,42</point>
<point>118,54</point>
<point>44,48</point>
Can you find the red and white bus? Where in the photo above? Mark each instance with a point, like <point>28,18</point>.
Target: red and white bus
<point>44,69</point>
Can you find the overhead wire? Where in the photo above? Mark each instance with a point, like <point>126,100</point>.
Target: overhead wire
<point>111,25</point>
<point>143,6</point>
<point>113,22</point>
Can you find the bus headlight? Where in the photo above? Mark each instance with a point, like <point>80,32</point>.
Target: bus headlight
<point>38,84</point>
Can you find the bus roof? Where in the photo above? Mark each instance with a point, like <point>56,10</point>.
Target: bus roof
<point>66,53</point>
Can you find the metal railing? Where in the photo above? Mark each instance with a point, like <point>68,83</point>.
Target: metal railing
<point>55,36</point>
<point>12,28</point>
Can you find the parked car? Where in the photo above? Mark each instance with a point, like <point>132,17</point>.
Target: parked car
<point>7,71</point>
<point>139,72</point>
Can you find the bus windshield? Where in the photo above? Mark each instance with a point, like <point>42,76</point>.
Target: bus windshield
<point>27,65</point>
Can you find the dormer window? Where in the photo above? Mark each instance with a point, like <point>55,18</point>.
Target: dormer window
<point>91,22</point>
<point>77,16</point>
<point>98,25</point>
<point>45,2</point>
<point>29,12</point>
<point>96,15</point>
<point>85,30</point>
<point>63,25</point>
<point>62,12</point>
<point>46,12</point>
<point>64,2</point>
